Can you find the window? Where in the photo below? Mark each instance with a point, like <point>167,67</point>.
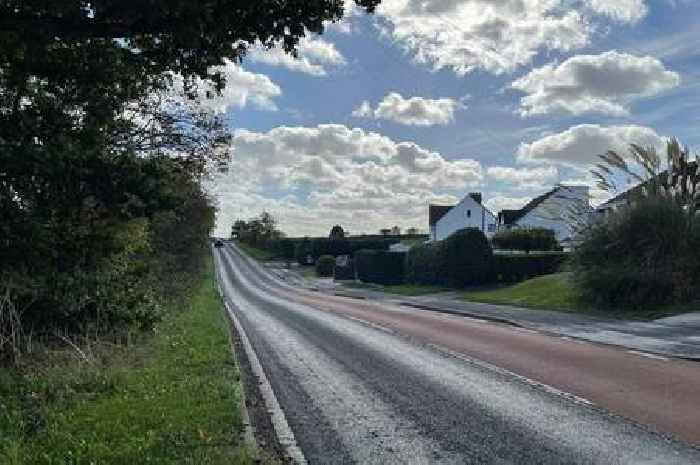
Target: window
<point>469,213</point>
<point>492,227</point>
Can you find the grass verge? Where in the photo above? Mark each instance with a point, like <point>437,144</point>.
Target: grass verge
<point>556,292</point>
<point>167,398</point>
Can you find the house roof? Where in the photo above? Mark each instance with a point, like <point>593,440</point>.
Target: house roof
<point>435,212</point>
<point>511,216</point>
<point>638,189</point>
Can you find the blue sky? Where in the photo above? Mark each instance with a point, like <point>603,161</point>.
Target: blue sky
<point>504,97</point>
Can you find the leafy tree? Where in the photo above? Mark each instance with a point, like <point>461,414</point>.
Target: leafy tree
<point>336,233</point>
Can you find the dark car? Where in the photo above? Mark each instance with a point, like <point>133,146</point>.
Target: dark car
<point>218,243</point>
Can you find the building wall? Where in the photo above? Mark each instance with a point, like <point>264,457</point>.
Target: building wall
<point>556,212</point>
<point>466,214</point>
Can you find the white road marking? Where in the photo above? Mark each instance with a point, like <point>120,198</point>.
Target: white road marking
<point>279,421</point>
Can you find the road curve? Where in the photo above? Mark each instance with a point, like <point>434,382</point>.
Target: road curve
<point>355,389</point>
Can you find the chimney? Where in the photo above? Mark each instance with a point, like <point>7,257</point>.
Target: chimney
<point>476,196</point>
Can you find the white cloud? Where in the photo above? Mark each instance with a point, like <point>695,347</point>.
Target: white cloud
<point>414,111</point>
<point>624,11</point>
<point>242,88</point>
<point>363,111</point>
<point>315,57</point>
<point>523,178</point>
<point>496,36</point>
<point>603,83</point>
<point>580,145</point>
<point>497,203</point>
<point>312,177</point>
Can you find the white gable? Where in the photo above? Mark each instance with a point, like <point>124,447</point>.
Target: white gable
<point>559,212</point>
<point>466,214</point>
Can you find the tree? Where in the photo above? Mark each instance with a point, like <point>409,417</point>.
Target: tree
<point>336,233</point>
<point>104,141</point>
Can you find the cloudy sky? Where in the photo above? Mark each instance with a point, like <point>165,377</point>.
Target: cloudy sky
<point>428,100</point>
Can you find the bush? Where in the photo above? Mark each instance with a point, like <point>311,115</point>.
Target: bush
<point>423,266</point>
<point>378,266</point>
<point>466,258</point>
<point>325,265</point>
<point>643,254</point>
<point>526,239</point>
<point>346,272</point>
<point>514,268</point>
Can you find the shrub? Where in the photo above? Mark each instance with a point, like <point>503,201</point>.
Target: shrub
<point>345,272</point>
<point>466,258</point>
<point>423,266</point>
<point>378,266</point>
<point>642,254</point>
<point>325,265</point>
<point>526,239</point>
<point>514,268</point>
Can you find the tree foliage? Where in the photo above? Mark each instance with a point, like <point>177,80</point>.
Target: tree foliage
<point>645,250</point>
<point>105,142</point>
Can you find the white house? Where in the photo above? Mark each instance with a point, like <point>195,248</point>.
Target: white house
<point>469,213</point>
<point>562,209</point>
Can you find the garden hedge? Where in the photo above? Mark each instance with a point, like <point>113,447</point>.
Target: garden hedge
<point>423,266</point>
<point>379,266</point>
<point>513,268</point>
<point>325,266</point>
<point>466,258</point>
<point>526,239</point>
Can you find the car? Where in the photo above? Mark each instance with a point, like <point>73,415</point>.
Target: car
<point>218,243</point>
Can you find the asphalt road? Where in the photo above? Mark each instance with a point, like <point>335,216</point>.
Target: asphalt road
<point>361,384</point>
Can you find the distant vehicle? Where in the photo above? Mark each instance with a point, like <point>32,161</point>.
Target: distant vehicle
<point>218,243</point>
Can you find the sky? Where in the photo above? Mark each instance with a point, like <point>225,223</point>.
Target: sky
<point>428,100</point>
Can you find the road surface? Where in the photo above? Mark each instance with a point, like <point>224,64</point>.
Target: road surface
<point>365,383</point>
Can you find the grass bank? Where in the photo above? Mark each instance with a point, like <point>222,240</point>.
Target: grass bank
<point>557,292</point>
<point>167,398</point>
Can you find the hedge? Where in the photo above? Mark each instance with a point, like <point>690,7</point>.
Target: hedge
<point>466,258</point>
<point>526,239</point>
<point>513,268</point>
<point>325,266</point>
<point>423,266</point>
<point>381,267</point>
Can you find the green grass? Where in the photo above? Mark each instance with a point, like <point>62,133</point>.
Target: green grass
<point>557,292</point>
<point>551,292</point>
<point>167,398</point>
<point>258,254</point>
<point>399,289</point>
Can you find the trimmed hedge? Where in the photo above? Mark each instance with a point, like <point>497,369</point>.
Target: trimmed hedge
<point>381,267</point>
<point>526,239</point>
<point>325,266</point>
<point>423,265</point>
<point>514,268</point>
<point>466,258</point>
